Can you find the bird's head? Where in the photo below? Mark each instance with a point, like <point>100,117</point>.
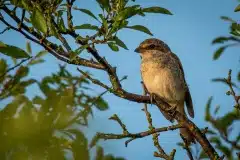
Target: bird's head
<point>152,44</point>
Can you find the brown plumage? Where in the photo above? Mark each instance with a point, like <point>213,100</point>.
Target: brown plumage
<point>163,75</point>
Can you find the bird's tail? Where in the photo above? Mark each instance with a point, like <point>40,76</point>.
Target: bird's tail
<point>184,131</point>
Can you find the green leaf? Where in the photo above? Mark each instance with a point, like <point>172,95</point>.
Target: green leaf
<point>80,49</point>
<point>27,5</point>
<point>104,4</point>
<point>218,52</point>
<point>41,53</point>
<point>228,19</point>
<point>128,12</point>
<point>224,39</point>
<point>108,157</point>
<point>157,10</point>
<point>3,66</point>
<point>101,104</point>
<point>87,26</point>
<point>235,27</point>
<point>120,43</point>
<point>215,140</point>
<point>117,25</point>
<point>238,138</point>
<point>113,46</point>
<point>46,89</point>
<point>216,109</point>
<point>21,4</point>
<point>94,140</point>
<point>235,32</point>
<point>3,69</point>
<point>237,9</point>
<point>140,28</point>
<point>14,60</point>
<point>105,24</point>
<point>61,24</point>
<point>223,80</point>
<point>27,82</point>
<point>38,100</point>
<point>28,48</point>
<point>228,119</point>
<point>203,155</point>
<point>210,132</point>
<point>35,61</point>
<point>39,21</point>
<point>86,11</point>
<point>22,72</point>
<point>13,51</point>
<point>225,151</point>
<point>79,145</point>
<point>180,144</point>
<point>238,76</point>
<point>207,112</point>
<point>99,153</point>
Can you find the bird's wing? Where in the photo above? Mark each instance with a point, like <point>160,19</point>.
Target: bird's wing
<point>188,98</point>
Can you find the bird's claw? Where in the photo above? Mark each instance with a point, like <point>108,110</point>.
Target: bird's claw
<point>172,110</point>
<point>151,98</point>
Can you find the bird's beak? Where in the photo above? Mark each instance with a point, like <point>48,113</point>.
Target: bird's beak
<point>137,50</point>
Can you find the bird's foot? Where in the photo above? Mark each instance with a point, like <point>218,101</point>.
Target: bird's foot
<point>151,98</point>
<point>172,110</point>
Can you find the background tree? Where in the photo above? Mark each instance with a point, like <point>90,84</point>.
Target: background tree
<point>47,125</point>
<point>225,126</point>
<point>43,22</point>
<point>223,131</point>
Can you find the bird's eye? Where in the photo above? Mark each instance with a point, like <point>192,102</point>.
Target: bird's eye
<point>152,46</point>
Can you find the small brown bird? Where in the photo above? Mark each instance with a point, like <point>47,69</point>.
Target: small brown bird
<point>163,75</point>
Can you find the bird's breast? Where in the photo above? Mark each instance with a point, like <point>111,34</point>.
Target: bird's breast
<point>165,81</point>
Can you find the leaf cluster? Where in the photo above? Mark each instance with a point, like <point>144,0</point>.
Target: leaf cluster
<point>43,127</point>
<point>229,41</point>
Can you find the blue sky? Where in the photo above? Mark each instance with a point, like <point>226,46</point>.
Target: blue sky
<point>189,33</point>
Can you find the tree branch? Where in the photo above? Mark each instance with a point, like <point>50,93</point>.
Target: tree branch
<point>111,71</point>
<point>12,68</point>
<point>136,135</point>
<point>161,153</point>
<point>118,91</point>
<point>50,47</point>
<point>233,93</point>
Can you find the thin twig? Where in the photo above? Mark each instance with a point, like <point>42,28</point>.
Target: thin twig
<point>6,29</point>
<point>69,14</point>
<point>60,37</point>
<point>49,46</point>
<point>233,93</point>
<point>187,148</point>
<point>137,135</point>
<point>12,68</point>
<point>22,18</point>
<point>95,81</point>
<point>161,153</point>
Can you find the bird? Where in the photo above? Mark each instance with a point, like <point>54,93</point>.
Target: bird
<point>162,74</point>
